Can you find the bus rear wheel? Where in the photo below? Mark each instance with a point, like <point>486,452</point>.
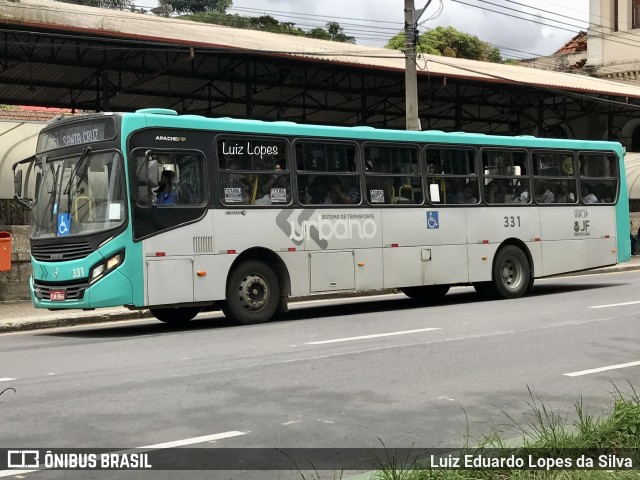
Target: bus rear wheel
<point>175,316</point>
<point>253,293</point>
<point>511,273</point>
<point>427,293</point>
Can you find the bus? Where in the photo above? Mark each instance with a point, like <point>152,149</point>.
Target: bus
<point>180,214</point>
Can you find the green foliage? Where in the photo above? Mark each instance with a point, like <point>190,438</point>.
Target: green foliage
<point>267,23</point>
<point>112,4</point>
<point>549,431</point>
<point>198,6</point>
<point>449,42</point>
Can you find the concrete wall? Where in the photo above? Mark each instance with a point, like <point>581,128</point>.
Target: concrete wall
<point>18,141</point>
<point>14,284</point>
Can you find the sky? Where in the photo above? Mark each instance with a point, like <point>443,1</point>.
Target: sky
<point>373,22</point>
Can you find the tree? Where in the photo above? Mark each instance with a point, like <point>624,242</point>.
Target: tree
<point>112,4</point>
<point>334,32</point>
<point>267,23</point>
<point>449,42</point>
<point>198,6</point>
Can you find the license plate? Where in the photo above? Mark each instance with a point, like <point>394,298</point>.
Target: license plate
<point>56,295</point>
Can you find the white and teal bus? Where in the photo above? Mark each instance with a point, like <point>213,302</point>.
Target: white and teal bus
<point>181,213</point>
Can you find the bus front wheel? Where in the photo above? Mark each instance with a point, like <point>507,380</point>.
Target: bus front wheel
<point>511,273</point>
<point>253,293</point>
<point>175,316</point>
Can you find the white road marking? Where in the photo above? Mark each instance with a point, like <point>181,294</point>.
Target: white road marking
<point>377,335</point>
<point>602,369</point>
<point>6,379</point>
<point>615,304</point>
<point>13,473</point>
<point>157,446</point>
<point>194,440</point>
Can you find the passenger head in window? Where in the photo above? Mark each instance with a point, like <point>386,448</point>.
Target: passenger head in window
<point>587,196</point>
<point>336,195</point>
<point>563,195</point>
<point>495,192</point>
<point>164,193</point>
<point>604,193</point>
<point>543,194</point>
<point>468,196</point>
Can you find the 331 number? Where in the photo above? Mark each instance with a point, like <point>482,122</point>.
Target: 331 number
<point>511,221</point>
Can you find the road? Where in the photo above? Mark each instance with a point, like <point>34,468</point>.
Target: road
<point>345,373</point>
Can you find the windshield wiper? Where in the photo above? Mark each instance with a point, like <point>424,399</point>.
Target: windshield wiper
<point>81,160</point>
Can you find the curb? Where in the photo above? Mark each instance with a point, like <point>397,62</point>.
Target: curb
<point>25,324</point>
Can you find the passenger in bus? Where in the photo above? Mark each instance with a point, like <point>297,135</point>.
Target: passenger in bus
<point>587,196</point>
<point>494,192</point>
<point>454,190</point>
<point>543,194</point>
<point>605,193</point>
<point>235,181</point>
<point>522,196</point>
<point>275,181</point>
<point>335,195</point>
<point>467,196</point>
<point>563,195</point>
<point>164,193</point>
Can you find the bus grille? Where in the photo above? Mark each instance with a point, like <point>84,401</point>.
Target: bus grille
<point>203,244</point>
<point>73,290</point>
<point>60,253</point>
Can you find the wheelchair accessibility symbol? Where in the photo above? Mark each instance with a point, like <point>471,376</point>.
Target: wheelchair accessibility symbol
<point>432,220</point>
<point>64,224</point>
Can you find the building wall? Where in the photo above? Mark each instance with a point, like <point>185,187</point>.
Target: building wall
<point>613,50</point>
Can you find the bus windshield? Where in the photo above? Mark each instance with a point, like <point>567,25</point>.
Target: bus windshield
<point>79,194</point>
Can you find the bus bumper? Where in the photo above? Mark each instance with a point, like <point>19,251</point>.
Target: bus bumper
<point>114,290</point>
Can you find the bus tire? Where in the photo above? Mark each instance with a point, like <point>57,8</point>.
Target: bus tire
<point>427,293</point>
<point>511,273</point>
<point>253,293</point>
<point>175,316</point>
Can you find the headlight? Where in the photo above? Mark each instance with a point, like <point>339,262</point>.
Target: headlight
<point>101,269</point>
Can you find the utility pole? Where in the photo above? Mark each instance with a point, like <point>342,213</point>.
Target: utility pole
<point>411,17</point>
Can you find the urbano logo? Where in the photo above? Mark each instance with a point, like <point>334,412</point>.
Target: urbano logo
<point>339,226</point>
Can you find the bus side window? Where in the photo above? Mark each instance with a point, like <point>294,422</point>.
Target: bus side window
<point>327,173</point>
<point>392,174</point>
<point>598,178</point>
<point>451,175</point>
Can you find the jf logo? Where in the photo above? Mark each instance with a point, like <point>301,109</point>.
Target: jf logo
<point>433,221</point>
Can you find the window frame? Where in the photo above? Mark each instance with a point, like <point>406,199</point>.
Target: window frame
<point>297,172</point>
<point>419,174</point>
<point>221,173</point>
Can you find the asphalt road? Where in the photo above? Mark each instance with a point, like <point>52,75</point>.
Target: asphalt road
<point>347,373</point>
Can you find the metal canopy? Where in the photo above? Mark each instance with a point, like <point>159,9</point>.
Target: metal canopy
<point>85,68</point>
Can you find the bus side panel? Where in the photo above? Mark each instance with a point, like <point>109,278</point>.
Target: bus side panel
<point>429,265</point>
<point>170,264</point>
<point>578,237</point>
<point>424,246</point>
<point>496,224</point>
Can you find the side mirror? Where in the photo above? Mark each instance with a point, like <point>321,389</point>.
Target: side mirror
<point>17,183</point>
<point>38,181</point>
<point>153,171</point>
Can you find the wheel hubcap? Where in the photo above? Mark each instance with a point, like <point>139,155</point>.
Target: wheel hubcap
<point>511,273</point>
<point>253,292</point>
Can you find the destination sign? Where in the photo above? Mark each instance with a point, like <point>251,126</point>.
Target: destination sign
<point>76,133</point>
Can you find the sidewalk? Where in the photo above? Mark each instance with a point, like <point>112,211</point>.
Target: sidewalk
<point>21,316</point>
